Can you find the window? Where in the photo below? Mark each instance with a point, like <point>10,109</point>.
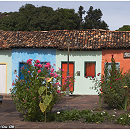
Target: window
<point>117,65</point>
<point>90,69</point>
<point>109,66</point>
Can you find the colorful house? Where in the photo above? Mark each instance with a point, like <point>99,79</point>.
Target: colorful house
<point>88,52</point>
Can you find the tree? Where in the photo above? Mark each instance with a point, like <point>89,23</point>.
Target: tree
<point>124,28</point>
<point>93,19</point>
<point>31,18</point>
<point>66,19</point>
<point>81,12</point>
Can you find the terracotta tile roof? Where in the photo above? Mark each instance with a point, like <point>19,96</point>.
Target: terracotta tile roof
<point>79,40</point>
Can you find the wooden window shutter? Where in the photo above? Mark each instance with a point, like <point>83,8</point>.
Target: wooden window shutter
<point>90,69</point>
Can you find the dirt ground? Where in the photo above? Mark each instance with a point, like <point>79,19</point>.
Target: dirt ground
<point>10,118</point>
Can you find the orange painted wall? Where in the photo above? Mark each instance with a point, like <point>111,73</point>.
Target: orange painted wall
<point>118,56</point>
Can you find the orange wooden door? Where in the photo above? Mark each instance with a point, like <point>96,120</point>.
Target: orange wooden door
<point>71,73</point>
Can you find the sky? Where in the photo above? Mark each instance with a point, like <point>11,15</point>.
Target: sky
<point>115,13</point>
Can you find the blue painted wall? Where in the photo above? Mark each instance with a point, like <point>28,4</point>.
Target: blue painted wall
<point>48,55</point>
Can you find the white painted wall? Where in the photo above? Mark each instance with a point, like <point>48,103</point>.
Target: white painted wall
<point>82,84</point>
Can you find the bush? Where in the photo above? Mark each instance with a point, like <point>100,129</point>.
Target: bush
<point>68,115</point>
<point>113,86</point>
<point>38,91</point>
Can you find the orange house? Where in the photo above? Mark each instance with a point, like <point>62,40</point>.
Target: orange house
<point>121,56</point>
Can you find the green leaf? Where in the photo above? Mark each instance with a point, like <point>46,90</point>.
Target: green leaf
<point>41,90</point>
<point>46,101</point>
<point>43,107</point>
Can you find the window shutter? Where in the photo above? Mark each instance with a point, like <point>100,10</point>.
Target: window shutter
<point>90,69</point>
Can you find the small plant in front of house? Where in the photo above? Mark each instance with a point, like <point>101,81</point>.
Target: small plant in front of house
<point>123,119</point>
<point>38,91</point>
<point>65,115</point>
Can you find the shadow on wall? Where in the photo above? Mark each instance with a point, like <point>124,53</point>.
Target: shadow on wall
<point>115,52</point>
<point>6,53</point>
<point>80,53</point>
<point>40,51</point>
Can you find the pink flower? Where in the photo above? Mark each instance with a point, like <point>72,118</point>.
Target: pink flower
<point>55,75</point>
<point>70,85</point>
<point>39,71</point>
<point>39,66</point>
<point>57,84</point>
<point>92,76</point>
<point>52,74</point>
<point>58,91</point>
<point>29,61</point>
<point>37,61</point>
<point>28,71</point>
<point>62,70</point>
<point>116,79</point>
<point>35,65</point>
<point>98,74</point>
<point>59,68</point>
<point>34,97</point>
<point>27,89</point>
<point>52,69</point>
<point>10,89</point>
<point>110,87</point>
<point>47,65</point>
<point>23,99</point>
<point>13,84</point>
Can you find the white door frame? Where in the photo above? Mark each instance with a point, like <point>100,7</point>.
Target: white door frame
<point>6,76</point>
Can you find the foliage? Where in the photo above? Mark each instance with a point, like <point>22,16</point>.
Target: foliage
<point>123,119</point>
<point>29,93</point>
<point>114,86</point>
<point>93,19</point>
<point>81,12</point>
<point>95,117</point>
<point>124,28</point>
<point>65,115</point>
<point>31,18</point>
<point>88,116</point>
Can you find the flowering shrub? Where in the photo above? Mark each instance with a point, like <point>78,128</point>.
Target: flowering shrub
<point>38,91</point>
<point>113,86</point>
<point>68,82</point>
